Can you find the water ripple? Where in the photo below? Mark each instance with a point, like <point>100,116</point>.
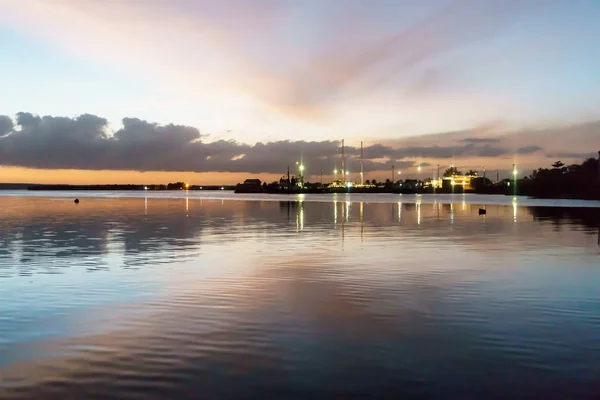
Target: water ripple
<point>127,298</point>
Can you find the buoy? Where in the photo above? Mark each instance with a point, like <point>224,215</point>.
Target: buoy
<point>482,211</point>
<point>76,201</point>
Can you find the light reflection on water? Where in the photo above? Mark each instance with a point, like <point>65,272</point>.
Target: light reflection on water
<point>187,297</point>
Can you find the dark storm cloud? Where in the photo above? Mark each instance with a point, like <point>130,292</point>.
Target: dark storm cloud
<point>84,142</point>
<point>6,124</point>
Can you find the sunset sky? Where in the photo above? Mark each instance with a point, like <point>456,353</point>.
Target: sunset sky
<point>151,91</point>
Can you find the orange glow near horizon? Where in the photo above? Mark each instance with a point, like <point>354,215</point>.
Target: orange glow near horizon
<point>90,177</point>
<point>87,177</point>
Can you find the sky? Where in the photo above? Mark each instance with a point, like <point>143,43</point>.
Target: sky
<point>152,91</point>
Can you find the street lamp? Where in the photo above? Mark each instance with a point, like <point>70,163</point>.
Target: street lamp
<point>335,171</point>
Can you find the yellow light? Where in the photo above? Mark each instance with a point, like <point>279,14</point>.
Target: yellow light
<point>515,172</point>
<point>335,171</point>
<point>419,168</point>
<point>187,185</point>
<point>301,167</point>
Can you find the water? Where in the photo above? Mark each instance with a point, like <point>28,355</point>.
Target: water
<point>208,297</point>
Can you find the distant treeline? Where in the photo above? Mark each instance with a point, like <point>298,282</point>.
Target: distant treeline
<point>576,181</point>
<point>170,186</point>
<point>86,187</point>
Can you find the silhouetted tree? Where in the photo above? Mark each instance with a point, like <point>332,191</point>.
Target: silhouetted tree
<point>368,182</point>
<point>472,172</point>
<point>374,182</point>
<point>574,181</point>
<point>452,171</point>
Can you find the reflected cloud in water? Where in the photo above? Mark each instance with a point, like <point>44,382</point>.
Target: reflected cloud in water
<point>43,235</point>
<point>301,298</point>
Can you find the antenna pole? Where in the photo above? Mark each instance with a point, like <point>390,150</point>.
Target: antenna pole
<point>362,172</point>
<point>343,163</point>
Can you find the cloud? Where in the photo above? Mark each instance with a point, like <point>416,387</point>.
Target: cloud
<point>480,140</point>
<point>350,64</point>
<point>528,149</point>
<point>566,155</point>
<point>85,142</point>
<point>6,124</point>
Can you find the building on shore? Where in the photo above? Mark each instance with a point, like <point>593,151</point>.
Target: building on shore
<point>249,186</point>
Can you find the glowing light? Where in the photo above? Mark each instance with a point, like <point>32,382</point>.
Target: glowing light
<point>453,183</point>
<point>222,188</point>
<point>515,172</point>
<point>349,184</point>
<point>145,187</point>
<point>419,168</point>
<point>335,212</point>
<point>187,186</point>
<point>335,171</point>
<point>347,211</point>
<point>347,172</point>
<point>399,211</point>
<point>301,167</point>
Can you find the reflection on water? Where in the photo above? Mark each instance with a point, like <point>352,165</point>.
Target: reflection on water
<point>187,298</point>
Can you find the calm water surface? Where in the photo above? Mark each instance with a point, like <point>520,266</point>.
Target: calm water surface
<point>215,298</point>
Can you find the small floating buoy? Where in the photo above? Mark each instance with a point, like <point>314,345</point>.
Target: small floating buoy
<point>482,211</point>
<point>76,201</point>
